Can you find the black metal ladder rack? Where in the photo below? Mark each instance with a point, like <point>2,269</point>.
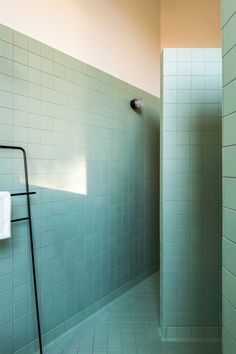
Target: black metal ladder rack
<point>27,193</point>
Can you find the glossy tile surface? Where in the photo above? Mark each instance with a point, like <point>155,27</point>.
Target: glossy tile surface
<point>229,176</point>
<point>93,162</point>
<point>191,87</point>
<point>129,325</point>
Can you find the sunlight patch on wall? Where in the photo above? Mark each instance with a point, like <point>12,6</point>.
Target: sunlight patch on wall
<point>69,176</point>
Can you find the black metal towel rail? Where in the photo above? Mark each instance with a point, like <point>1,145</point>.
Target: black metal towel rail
<point>27,193</point>
<point>16,194</point>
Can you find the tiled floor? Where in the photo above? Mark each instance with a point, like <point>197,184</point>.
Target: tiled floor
<point>129,325</point>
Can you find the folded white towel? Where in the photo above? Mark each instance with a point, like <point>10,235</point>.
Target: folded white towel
<point>5,215</point>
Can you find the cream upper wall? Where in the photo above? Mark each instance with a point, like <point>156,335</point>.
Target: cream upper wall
<point>190,23</point>
<point>120,37</point>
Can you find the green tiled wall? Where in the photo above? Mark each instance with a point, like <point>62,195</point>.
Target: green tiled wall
<point>93,162</point>
<point>191,193</point>
<point>229,176</point>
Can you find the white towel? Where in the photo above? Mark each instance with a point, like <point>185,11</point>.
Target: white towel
<point>5,215</point>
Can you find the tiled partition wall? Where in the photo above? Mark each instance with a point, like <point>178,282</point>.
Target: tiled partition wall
<point>93,162</point>
<point>229,177</point>
<point>191,194</point>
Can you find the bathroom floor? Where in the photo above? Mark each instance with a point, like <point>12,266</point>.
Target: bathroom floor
<point>129,325</point>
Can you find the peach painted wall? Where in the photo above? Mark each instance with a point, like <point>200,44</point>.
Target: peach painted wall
<point>120,37</point>
<point>190,23</point>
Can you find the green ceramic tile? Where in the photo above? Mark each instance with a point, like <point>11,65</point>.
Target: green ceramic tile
<point>170,55</point>
<point>198,82</point>
<point>229,317</point>
<point>6,82</point>
<point>229,154</point>
<point>6,66</point>
<point>229,286</point>
<point>20,87</point>
<point>229,344</point>
<point>6,299</point>
<point>20,55</point>
<point>198,68</point>
<point>229,220</point>
<point>213,68</point>
<point>228,10</point>
<point>54,125</point>
<point>47,65</point>
<point>6,33</point>
<point>184,67</point>
<point>229,72</point>
<point>191,131</point>
<point>20,102</point>
<point>197,54</point>
<point>171,82</point>
<point>59,57</point>
<point>34,46</point>
<point>6,99</point>
<point>59,70</point>
<point>20,40</point>
<point>170,68</point>
<point>47,52</point>
<point>35,61</point>
<point>229,193</point>
<point>228,35</point>
<point>7,346</point>
<point>20,71</point>
<point>183,96</point>
<point>34,75</point>
<point>6,50</point>
<point>229,250</point>
<point>228,128</point>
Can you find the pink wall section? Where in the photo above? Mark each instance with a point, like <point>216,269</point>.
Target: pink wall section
<point>121,37</point>
<point>190,23</point>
